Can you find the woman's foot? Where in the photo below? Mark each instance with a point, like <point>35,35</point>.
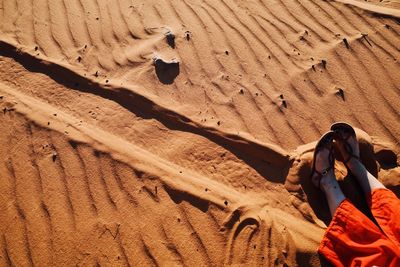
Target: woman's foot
<point>346,141</point>
<point>322,174</point>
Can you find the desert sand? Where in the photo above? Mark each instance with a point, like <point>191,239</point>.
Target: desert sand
<point>181,132</point>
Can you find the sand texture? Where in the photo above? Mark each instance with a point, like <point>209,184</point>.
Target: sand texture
<point>181,132</point>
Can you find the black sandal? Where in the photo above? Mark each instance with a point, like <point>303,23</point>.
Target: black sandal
<point>326,141</point>
<point>342,127</point>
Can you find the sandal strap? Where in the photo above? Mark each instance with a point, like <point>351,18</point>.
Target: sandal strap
<point>325,171</point>
<point>316,175</point>
<point>322,174</point>
<point>348,148</point>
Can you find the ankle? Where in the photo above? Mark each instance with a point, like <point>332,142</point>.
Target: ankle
<point>355,166</point>
<point>328,181</point>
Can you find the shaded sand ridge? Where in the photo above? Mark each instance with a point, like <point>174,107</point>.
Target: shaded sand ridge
<point>180,133</point>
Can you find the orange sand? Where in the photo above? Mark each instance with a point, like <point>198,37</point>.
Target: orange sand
<point>180,132</point>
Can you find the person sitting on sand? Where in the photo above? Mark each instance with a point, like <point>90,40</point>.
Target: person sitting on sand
<point>352,239</point>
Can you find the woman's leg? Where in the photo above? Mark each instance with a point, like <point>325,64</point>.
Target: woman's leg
<point>333,193</point>
<point>328,183</point>
<point>351,237</point>
<point>384,205</point>
<point>367,181</point>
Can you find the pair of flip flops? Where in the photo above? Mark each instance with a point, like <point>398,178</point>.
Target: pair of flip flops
<point>340,132</point>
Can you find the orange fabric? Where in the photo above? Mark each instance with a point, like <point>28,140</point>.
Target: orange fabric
<point>352,239</point>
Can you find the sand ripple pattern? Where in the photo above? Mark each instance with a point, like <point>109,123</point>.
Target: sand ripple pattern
<point>67,203</point>
<point>269,69</point>
<point>214,179</point>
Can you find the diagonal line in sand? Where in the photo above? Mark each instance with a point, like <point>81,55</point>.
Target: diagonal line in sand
<point>39,112</point>
<point>269,160</point>
<point>380,10</point>
<point>255,206</point>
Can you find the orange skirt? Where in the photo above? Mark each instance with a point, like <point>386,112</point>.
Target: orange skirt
<point>352,239</point>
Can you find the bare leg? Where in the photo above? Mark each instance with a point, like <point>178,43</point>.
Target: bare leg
<point>367,181</point>
<point>333,193</point>
<point>329,184</point>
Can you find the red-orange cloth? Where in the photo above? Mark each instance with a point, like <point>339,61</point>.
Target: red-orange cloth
<point>352,239</point>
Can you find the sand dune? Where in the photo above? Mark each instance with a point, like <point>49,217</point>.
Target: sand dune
<point>180,132</point>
